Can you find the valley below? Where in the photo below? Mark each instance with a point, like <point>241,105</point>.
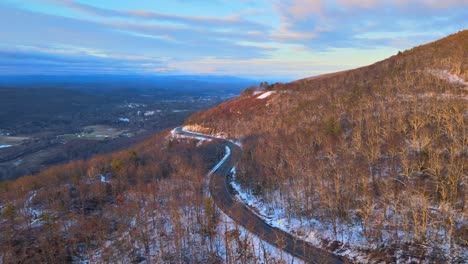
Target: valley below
<point>43,126</point>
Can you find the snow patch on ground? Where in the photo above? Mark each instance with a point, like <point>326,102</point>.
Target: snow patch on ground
<point>123,119</point>
<point>226,156</point>
<point>5,146</point>
<point>219,135</point>
<point>230,241</point>
<point>265,252</point>
<point>265,95</point>
<point>446,75</point>
<point>103,178</point>
<point>440,96</point>
<point>311,230</point>
<point>237,142</point>
<point>35,213</point>
<point>353,243</point>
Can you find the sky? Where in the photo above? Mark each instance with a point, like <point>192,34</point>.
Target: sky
<point>277,39</point>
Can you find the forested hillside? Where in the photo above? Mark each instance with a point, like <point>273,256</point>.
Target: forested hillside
<point>147,204</point>
<point>368,163</point>
<point>373,160</point>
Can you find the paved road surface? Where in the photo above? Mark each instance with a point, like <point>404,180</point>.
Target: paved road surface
<point>242,215</point>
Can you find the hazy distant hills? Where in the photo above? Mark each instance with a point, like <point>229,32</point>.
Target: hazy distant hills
<point>192,84</point>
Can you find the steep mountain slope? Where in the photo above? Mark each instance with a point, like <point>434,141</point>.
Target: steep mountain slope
<point>368,163</point>
<point>372,159</point>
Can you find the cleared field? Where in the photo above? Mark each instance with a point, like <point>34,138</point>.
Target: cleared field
<point>98,132</point>
<point>11,141</point>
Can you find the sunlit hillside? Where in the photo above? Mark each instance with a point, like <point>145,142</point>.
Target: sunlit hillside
<point>372,160</point>
<point>369,164</point>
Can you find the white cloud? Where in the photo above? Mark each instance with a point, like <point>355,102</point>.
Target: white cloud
<point>359,3</point>
<point>434,4</point>
<point>295,61</point>
<point>285,34</point>
<point>274,37</point>
<point>323,24</point>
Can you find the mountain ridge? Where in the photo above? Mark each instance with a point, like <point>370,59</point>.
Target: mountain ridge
<point>354,140</point>
<point>369,164</point>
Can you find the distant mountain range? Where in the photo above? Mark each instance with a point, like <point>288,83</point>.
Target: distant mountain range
<point>137,83</point>
<point>14,79</point>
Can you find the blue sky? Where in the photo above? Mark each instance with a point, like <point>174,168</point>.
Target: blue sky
<point>251,38</point>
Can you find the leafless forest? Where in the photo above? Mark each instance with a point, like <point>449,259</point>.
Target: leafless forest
<point>383,148</point>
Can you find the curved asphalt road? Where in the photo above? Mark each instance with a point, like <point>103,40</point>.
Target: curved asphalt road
<point>243,216</point>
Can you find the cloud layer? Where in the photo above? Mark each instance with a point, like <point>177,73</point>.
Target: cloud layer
<point>271,38</point>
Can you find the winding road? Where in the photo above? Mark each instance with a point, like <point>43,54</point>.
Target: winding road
<point>242,215</point>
